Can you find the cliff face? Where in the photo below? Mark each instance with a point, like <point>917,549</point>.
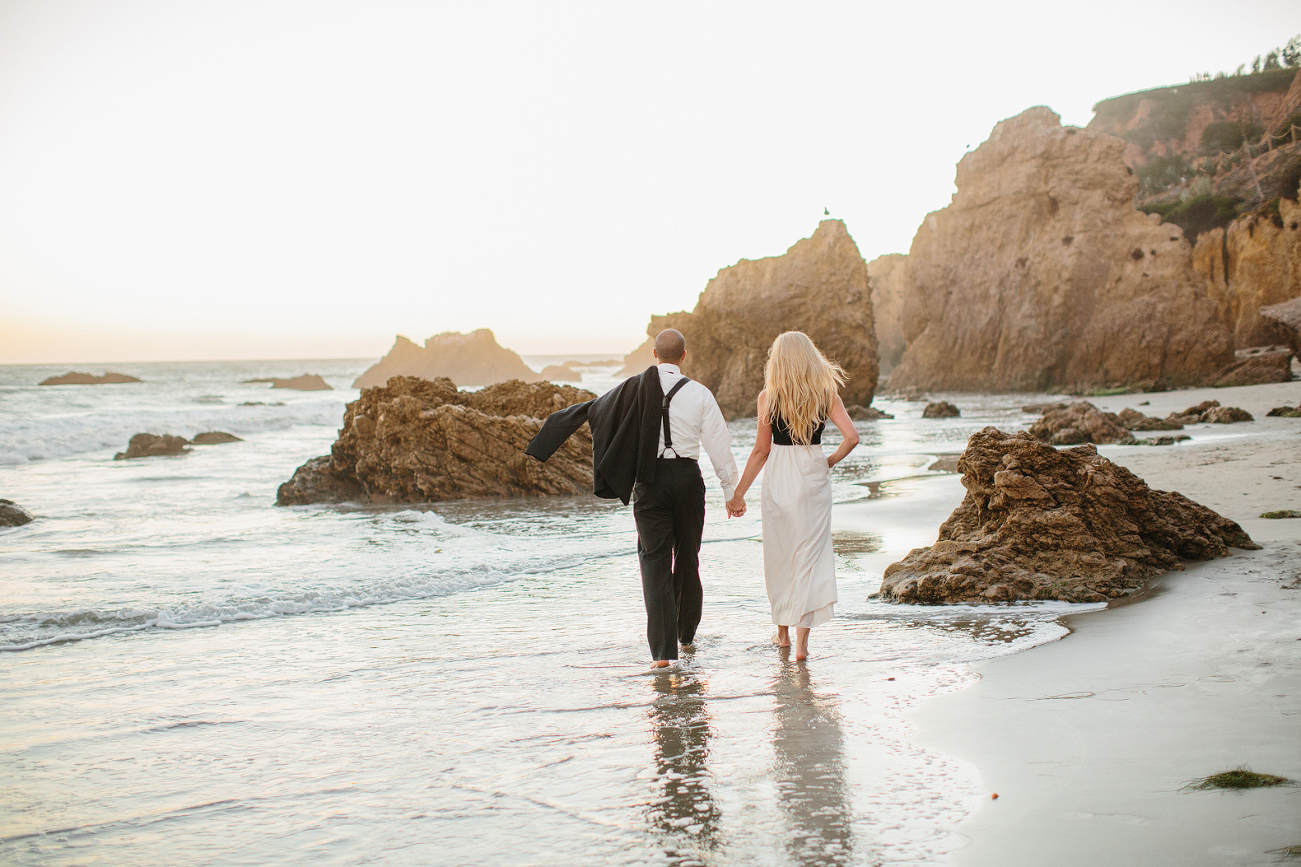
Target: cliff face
<point>819,287</point>
<point>1042,275</point>
<point>887,275</point>
<point>1253,263</point>
<point>466,359</point>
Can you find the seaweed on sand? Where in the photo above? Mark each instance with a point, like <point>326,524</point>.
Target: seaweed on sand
<point>1240,777</point>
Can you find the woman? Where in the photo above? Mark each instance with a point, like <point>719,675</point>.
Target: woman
<point>799,396</point>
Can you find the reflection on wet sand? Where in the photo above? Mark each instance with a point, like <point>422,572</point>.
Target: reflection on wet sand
<point>682,809</point>
<point>811,789</point>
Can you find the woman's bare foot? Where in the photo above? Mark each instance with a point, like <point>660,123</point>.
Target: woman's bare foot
<point>782,638</point>
<point>801,643</point>
<point>661,663</point>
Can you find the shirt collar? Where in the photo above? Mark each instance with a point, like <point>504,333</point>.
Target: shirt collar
<point>669,368</point>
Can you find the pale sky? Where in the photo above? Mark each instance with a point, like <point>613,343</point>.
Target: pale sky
<point>198,180</point>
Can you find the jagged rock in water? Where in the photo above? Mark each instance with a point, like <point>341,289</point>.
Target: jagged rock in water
<point>1041,408</point>
<point>14,515</point>
<point>214,438</point>
<point>1132,419</point>
<point>1043,523</point>
<point>1041,274</point>
<point>819,287</point>
<point>417,440</point>
<point>1254,262</point>
<point>305,382</point>
<point>866,413</point>
<point>1163,441</point>
<point>466,359</point>
<point>568,372</point>
<point>147,445</point>
<point>1081,422</point>
<point>1257,365</point>
<point>942,409</point>
<point>887,275</point>
<point>1286,317</point>
<point>72,377</point>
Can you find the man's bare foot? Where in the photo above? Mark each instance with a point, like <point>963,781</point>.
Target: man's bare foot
<point>801,644</point>
<point>661,663</point>
<point>782,638</point>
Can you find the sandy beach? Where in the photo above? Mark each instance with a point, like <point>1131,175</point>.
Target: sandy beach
<point>1090,742</point>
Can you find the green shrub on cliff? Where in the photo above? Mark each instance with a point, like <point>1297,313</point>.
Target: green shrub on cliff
<point>1198,214</point>
<point>1229,135</point>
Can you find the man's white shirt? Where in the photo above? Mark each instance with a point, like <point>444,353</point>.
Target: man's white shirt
<point>695,421</point>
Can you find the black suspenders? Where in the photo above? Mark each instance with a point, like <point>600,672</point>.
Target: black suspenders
<point>664,417</point>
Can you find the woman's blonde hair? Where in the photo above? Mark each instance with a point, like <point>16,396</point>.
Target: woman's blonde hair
<point>801,383</point>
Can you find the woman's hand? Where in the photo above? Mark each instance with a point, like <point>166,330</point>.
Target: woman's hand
<point>736,506</point>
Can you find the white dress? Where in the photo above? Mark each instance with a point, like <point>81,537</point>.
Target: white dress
<point>799,567</point>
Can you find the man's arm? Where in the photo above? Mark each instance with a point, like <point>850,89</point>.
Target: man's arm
<point>717,443</point>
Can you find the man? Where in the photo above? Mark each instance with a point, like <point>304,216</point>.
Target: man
<point>647,435</point>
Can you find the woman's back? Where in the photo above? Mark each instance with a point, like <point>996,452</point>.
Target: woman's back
<point>781,432</point>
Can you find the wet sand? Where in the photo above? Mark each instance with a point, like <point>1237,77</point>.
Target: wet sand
<point>1090,742</point>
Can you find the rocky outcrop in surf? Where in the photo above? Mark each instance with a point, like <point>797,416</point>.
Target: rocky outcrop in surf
<point>147,445</point>
<point>14,515</point>
<point>73,377</point>
<point>466,359</point>
<point>1042,275</point>
<point>819,286</point>
<point>416,440</point>
<point>1043,523</point>
<point>305,382</point>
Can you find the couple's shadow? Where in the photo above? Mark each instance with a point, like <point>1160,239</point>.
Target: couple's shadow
<point>808,770</point>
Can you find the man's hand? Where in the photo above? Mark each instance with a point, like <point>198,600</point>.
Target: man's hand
<point>736,506</point>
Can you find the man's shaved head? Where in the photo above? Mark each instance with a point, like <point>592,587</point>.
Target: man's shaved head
<point>670,345</point>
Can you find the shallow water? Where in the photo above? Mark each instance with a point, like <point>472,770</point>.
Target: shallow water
<point>201,677</point>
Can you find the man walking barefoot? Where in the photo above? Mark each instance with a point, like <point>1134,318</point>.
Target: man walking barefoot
<point>647,435</point>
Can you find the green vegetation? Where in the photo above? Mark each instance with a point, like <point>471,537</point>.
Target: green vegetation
<point>1229,135</point>
<point>1240,777</point>
<point>1281,513</point>
<point>1198,214</point>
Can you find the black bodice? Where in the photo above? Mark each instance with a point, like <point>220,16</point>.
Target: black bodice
<point>781,432</point>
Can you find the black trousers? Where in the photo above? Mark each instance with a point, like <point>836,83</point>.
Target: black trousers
<point>670,515</point>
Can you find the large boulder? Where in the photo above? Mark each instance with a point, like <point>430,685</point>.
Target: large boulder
<point>1043,523</point>
<point>147,445</point>
<point>1041,275</point>
<point>466,359</point>
<point>73,377</point>
<point>819,287</point>
<point>887,275</point>
<point>1081,422</point>
<point>1286,317</point>
<point>417,440</point>
<point>1255,262</point>
<point>1257,365</point>
<point>14,515</point>
<point>214,438</point>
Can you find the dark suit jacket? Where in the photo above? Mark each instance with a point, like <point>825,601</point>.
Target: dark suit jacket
<point>625,424</point>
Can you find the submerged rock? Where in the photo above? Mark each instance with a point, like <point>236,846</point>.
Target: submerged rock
<point>306,382</point>
<point>147,445</point>
<point>866,413</point>
<point>942,409</point>
<point>416,440</point>
<point>1042,275</point>
<point>14,515</point>
<point>466,359</point>
<point>72,377</point>
<point>819,286</point>
<point>214,438</point>
<point>1044,523</point>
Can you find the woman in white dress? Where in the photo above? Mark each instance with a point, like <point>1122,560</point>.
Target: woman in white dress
<point>800,395</point>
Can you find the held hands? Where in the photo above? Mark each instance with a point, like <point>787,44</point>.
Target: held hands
<point>736,506</point>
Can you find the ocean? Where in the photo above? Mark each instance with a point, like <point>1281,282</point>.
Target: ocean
<point>196,676</point>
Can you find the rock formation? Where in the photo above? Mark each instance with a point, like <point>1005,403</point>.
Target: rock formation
<point>639,359</point>
<point>214,438</point>
<point>1210,412</point>
<point>887,275</point>
<point>1257,365</point>
<point>72,377</point>
<point>865,413</point>
<point>305,382</point>
<point>466,359</point>
<point>1254,263</point>
<point>568,372</point>
<point>1285,412</point>
<point>1043,523</point>
<point>1081,422</point>
<point>147,445</point>
<point>819,287</point>
<point>417,440</point>
<point>1042,275</point>
<point>942,409</point>
<point>1287,318</point>
<point>14,515</point>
